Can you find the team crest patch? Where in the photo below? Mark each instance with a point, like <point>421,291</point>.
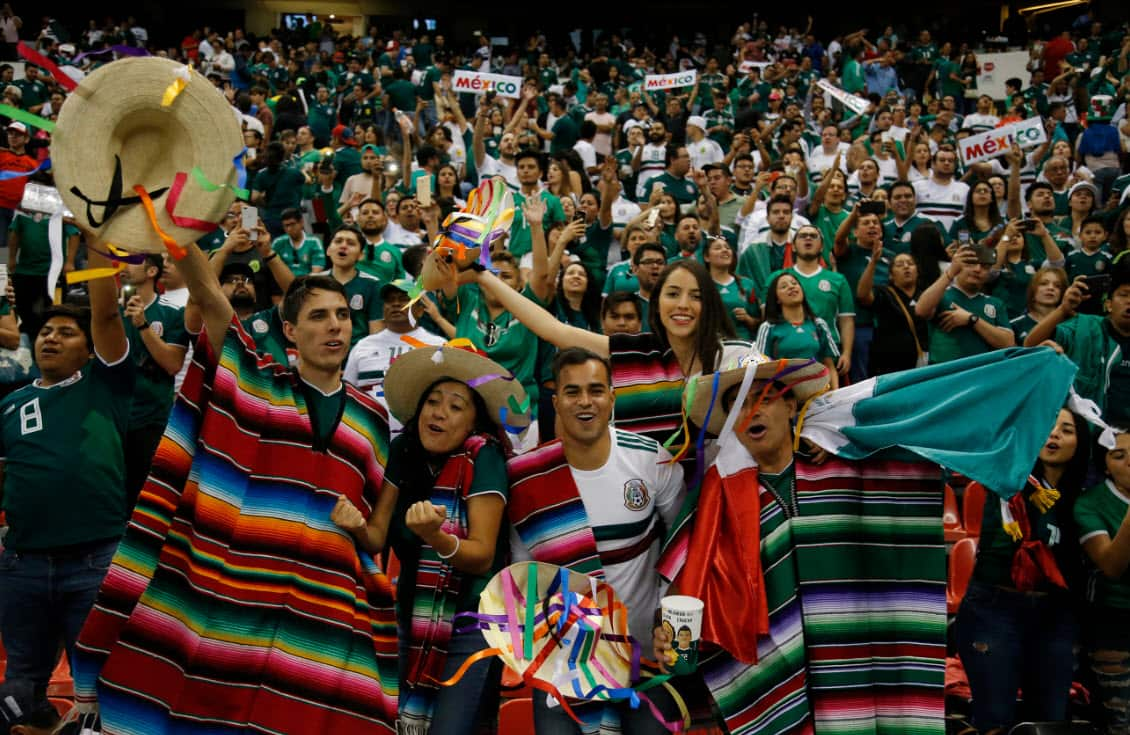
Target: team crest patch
<point>157,328</point>
<point>635,494</point>
<point>990,311</point>
<point>386,257</point>
<point>825,286</point>
<point>260,326</point>
<point>1100,266</point>
<point>357,302</point>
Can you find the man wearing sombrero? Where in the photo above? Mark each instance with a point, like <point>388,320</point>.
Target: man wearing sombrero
<point>823,576</point>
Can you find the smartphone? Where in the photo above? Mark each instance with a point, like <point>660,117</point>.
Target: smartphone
<point>1097,285</point>
<point>578,216</point>
<point>250,220</point>
<point>3,280</point>
<point>873,207</point>
<point>128,291</point>
<point>424,190</point>
<point>1027,224</point>
<point>652,217</point>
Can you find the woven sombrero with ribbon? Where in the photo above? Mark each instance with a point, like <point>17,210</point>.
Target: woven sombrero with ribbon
<point>565,633</point>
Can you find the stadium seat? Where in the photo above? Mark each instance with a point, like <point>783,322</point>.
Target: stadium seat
<point>962,558</point>
<point>951,518</point>
<point>972,508</point>
<point>516,717</point>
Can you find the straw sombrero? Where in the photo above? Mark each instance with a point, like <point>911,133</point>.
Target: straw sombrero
<point>411,374</point>
<point>114,132</point>
<point>703,395</point>
<point>578,641</point>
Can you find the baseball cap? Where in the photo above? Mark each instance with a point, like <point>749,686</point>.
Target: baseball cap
<point>18,126</point>
<point>344,133</point>
<point>1084,186</point>
<point>697,121</point>
<point>401,284</point>
<point>18,706</point>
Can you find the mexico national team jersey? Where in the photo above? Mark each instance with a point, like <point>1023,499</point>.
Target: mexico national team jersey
<point>941,203</point>
<point>629,502</point>
<point>370,358</point>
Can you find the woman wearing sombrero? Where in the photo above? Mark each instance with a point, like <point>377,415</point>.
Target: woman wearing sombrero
<point>829,615</point>
<point>441,510</point>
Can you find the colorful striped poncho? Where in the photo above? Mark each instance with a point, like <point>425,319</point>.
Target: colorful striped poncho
<point>234,604</point>
<point>854,584</point>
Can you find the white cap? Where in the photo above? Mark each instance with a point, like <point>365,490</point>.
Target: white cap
<point>697,121</point>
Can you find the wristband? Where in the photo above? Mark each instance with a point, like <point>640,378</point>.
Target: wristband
<point>144,326</point>
<point>270,257</point>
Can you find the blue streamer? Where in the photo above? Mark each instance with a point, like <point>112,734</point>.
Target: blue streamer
<point>700,443</point>
<point>6,175</point>
<point>240,169</point>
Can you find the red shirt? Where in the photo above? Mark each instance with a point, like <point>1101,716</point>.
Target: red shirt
<point>12,190</point>
<point>1054,52</point>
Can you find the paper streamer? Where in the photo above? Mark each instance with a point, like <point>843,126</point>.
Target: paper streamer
<point>181,77</point>
<point>170,244</point>
<point>119,49</point>
<point>6,175</point>
<point>55,238</point>
<point>24,116</point>
<point>91,274</point>
<point>42,61</point>
<point>173,199</point>
<point>203,182</point>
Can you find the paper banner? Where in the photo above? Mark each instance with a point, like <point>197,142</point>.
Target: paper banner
<point>655,82</point>
<point>55,238</point>
<point>464,80</point>
<point>1026,133</point>
<point>858,105</point>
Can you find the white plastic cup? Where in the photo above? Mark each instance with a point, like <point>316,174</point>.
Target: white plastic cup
<point>682,615</point>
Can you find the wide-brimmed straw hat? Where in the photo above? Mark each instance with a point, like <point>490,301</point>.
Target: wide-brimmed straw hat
<point>702,397</point>
<point>414,371</point>
<point>127,124</point>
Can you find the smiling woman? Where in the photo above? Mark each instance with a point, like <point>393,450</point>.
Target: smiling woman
<point>441,510</point>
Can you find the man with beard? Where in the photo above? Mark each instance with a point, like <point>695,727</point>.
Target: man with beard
<point>904,219</point>
<point>1057,173</point>
<point>753,217</point>
<point>504,165</point>
<point>408,227</point>
<point>650,160</point>
<point>155,329</point>
<point>941,197</point>
<point>1041,199</point>
<point>762,257</point>
<point>379,259</point>
<point>267,268</point>
<point>647,265</point>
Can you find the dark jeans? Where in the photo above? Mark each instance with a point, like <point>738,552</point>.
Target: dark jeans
<point>861,354</point>
<point>140,445</point>
<point>470,705</point>
<point>31,302</point>
<point>1012,640</point>
<point>1108,647</point>
<point>44,600</point>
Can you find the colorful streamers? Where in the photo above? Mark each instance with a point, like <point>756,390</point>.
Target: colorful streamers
<point>119,49</point>
<point>91,274</point>
<point>181,77</point>
<point>42,61</point>
<point>486,218</point>
<point>171,204</point>
<point>203,182</point>
<point>170,244</point>
<point>24,116</point>
<point>5,175</point>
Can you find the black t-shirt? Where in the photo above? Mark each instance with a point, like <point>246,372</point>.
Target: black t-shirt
<point>892,347</point>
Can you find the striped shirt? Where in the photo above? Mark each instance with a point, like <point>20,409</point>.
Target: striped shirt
<point>942,203</point>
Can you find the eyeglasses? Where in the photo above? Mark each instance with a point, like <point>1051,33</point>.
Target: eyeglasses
<point>653,261</point>
<point>237,280</point>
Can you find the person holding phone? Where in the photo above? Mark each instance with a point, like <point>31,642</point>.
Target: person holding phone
<point>1093,258</point>
<point>1095,343</point>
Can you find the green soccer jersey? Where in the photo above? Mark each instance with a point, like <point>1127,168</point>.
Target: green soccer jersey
<point>593,250</point>
<point>964,341</point>
<point>1011,286</point>
<point>739,294</point>
<point>809,340</point>
<point>266,328</point>
<point>64,466</point>
<point>321,118</point>
<point>34,93</point>
<point>1036,251</point>
<point>304,257</point>
<point>213,240</point>
<point>153,392</point>
<point>1022,325</point>
<point>896,237</point>
<point>363,293</point>
<point>1082,263</point>
<point>852,264</point>
<point>565,135</point>
<point>282,190</point>
<point>828,222</point>
<point>684,191</point>
<point>1100,512</point>
<point>723,118</point>
<point>503,338</point>
<point>34,256</point>
<point>382,261</point>
<point>828,295</point>
<point>325,410</point>
<point>621,278</point>
<point>519,243</point>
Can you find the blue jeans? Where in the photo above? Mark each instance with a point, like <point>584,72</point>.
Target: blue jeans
<point>44,601</point>
<point>861,353</point>
<point>1012,640</point>
<point>641,721</point>
<point>471,704</point>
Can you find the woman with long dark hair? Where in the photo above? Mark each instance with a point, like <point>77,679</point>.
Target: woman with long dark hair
<point>791,330</point>
<point>577,299</point>
<point>737,292</point>
<point>982,215</point>
<point>1016,626</point>
<point>441,511</point>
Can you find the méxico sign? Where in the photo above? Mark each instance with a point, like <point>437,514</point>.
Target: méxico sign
<point>1026,133</point>
<point>476,83</point>
<point>653,82</point>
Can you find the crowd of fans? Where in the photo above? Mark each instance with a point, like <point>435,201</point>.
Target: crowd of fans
<point>856,239</point>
